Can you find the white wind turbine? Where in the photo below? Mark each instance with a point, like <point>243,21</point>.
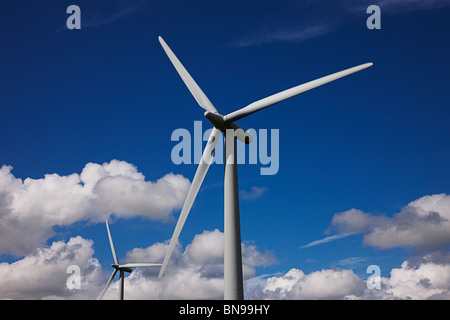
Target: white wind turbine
<point>233,281</point>
<point>122,268</point>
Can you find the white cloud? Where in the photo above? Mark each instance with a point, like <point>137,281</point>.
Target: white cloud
<point>427,281</point>
<point>253,194</point>
<point>324,284</point>
<point>420,278</point>
<point>281,286</point>
<point>424,222</point>
<point>43,274</point>
<point>30,208</point>
<point>206,247</point>
<point>355,221</point>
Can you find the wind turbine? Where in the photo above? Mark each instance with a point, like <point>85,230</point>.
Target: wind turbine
<point>233,281</point>
<point>122,268</point>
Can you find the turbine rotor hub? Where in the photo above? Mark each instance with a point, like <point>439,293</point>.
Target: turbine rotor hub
<point>216,119</point>
<point>120,268</point>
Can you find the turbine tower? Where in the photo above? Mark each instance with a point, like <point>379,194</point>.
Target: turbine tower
<point>233,280</point>
<point>122,268</point>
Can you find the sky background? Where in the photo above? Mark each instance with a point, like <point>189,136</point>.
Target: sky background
<point>364,162</point>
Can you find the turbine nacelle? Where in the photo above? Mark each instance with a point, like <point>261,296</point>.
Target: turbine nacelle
<point>218,121</point>
<point>123,268</point>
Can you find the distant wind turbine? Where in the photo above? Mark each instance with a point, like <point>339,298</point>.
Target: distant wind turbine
<point>233,280</point>
<point>122,268</point>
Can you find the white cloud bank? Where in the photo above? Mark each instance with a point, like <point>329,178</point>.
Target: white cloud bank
<point>428,278</point>
<point>195,273</point>
<point>30,208</point>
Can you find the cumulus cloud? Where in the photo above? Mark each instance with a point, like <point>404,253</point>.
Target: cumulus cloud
<point>420,278</point>
<point>324,284</point>
<point>30,208</point>
<point>427,281</point>
<point>43,274</point>
<point>423,223</point>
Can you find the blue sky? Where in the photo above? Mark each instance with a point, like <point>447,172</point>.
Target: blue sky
<point>374,141</point>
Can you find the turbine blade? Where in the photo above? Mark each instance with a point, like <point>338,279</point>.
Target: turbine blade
<point>107,285</point>
<point>289,93</point>
<point>139,265</point>
<point>202,169</point>
<point>193,87</point>
<point>116,261</point>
